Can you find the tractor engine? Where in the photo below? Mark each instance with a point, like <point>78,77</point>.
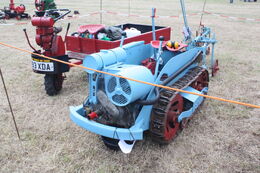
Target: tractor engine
<point>116,96</point>
<point>46,36</point>
<point>105,112</point>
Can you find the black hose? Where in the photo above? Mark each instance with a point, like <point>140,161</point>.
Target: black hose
<point>165,82</point>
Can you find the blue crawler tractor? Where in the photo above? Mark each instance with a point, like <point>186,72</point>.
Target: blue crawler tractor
<point>121,110</point>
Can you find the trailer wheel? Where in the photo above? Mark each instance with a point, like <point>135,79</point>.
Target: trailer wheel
<point>53,83</point>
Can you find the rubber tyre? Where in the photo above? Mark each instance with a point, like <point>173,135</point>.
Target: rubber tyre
<point>110,143</point>
<point>53,83</point>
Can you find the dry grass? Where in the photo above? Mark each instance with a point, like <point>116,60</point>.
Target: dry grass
<point>221,138</point>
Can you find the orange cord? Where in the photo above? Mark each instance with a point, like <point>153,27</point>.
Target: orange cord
<point>156,85</point>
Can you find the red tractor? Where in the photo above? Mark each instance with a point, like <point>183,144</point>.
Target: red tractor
<point>13,11</point>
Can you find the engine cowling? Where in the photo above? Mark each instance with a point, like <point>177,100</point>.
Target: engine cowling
<point>104,58</point>
<point>121,91</point>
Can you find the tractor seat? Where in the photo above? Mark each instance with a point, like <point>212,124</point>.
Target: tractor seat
<point>156,43</point>
<point>92,28</point>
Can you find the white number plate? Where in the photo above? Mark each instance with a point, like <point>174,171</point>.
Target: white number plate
<point>43,66</point>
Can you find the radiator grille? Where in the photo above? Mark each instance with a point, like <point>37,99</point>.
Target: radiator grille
<point>111,85</point>
<point>125,86</point>
<point>120,99</point>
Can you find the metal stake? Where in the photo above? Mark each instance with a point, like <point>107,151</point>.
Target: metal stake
<point>10,106</point>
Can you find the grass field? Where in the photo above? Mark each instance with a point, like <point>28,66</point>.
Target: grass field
<point>221,138</point>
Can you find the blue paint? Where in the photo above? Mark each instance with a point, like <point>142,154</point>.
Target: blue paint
<point>196,101</point>
<point>133,133</point>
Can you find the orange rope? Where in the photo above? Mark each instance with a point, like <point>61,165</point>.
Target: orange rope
<point>156,85</point>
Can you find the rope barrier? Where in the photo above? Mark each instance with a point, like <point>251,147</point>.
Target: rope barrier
<point>148,83</point>
<point>66,18</point>
<point>232,17</point>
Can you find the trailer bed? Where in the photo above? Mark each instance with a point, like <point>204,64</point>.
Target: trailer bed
<point>88,46</point>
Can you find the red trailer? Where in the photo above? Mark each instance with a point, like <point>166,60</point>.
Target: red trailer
<point>77,46</point>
